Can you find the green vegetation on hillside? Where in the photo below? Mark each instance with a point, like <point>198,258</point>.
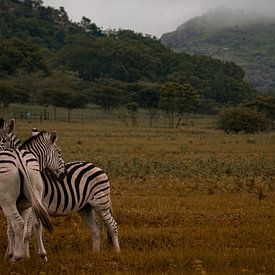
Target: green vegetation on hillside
<point>47,58</point>
<point>246,39</point>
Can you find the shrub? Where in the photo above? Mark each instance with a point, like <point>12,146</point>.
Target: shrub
<point>242,119</point>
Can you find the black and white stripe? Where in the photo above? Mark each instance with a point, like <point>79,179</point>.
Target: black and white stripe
<point>84,181</point>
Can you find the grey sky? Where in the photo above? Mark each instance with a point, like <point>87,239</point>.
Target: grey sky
<point>154,17</point>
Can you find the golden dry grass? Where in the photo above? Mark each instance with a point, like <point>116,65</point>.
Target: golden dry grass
<point>187,201</point>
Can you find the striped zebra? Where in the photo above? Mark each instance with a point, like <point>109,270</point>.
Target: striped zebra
<point>7,138</point>
<point>86,190</point>
<point>21,186</point>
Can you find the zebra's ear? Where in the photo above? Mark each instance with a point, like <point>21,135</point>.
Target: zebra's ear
<point>53,137</point>
<point>10,125</point>
<point>35,132</point>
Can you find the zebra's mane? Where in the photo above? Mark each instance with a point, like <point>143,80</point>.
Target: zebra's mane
<point>30,139</point>
<point>2,123</point>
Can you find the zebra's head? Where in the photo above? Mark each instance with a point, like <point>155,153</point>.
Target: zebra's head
<point>6,130</point>
<point>55,160</point>
<point>43,145</point>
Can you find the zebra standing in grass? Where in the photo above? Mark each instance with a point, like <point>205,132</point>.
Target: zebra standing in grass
<point>86,190</point>
<point>21,186</point>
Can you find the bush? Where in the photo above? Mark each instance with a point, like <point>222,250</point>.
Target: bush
<point>242,119</point>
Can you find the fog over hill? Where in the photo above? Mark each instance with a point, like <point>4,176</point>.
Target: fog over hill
<point>245,37</point>
<point>154,17</point>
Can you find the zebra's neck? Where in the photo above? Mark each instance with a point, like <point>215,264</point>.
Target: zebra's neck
<point>15,142</point>
<point>33,146</point>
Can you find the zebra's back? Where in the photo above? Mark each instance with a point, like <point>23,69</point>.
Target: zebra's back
<point>9,158</point>
<point>84,183</point>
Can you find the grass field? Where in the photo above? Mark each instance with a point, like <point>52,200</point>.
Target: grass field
<point>188,201</point>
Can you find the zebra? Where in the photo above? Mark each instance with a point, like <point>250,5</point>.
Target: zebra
<point>7,138</point>
<point>86,190</point>
<point>16,197</point>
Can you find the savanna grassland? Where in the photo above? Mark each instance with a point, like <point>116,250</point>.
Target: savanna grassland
<point>188,201</point>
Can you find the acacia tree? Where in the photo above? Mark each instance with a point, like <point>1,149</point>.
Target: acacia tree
<point>69,100</point>
<point>187,98</point>
<point>177,99</point>
<point>146,94</point>
<point>132,108</point>
<point>168,100</point>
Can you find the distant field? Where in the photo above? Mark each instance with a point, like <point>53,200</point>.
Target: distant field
<point>190,201</point>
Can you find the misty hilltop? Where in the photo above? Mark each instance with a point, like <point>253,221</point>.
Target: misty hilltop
<point>234,35</point>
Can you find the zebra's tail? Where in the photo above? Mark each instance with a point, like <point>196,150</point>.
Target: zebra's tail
<point>38,209</point>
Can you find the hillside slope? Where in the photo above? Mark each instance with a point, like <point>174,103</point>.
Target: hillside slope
<point>245,39</point>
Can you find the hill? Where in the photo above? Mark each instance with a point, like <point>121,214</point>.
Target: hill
<point>47,59</point>
<point>232,35</point>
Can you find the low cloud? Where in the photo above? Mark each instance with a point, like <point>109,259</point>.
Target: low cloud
<point>154,17</point>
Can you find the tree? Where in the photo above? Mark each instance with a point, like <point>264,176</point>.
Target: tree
<point>90,27</point>
<point>62,89</point>
<point>16,54</point>
<point>132,108</point>
<point>146,95</point>
<point>108,94</point>
<point>68,99</point>
<point>7,94</point>
<point>186,100</point>
<point>10,92</point>
<point>227,90</point>
<point>177,99</point>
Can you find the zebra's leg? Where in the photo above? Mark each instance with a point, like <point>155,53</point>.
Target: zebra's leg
<point>37,225</point>
<point>10,248</point>
<point>37,228</point>
<point>89,216</point>
<point>28,217</point>
<point>17,225</point>
<point>106,214</point>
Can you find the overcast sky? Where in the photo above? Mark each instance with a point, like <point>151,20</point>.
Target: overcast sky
<point>153,17</point>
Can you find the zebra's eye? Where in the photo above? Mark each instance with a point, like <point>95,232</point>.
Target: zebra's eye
<point>3,140</point>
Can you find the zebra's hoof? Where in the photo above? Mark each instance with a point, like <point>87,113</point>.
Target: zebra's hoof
<point>117,250</point>
<point>8,256</point>
<point>16,259</point>
<point>44,258</point>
